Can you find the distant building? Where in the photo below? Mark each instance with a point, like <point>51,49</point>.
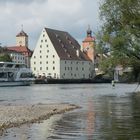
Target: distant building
<point>88,45</point>
<point>58,55</point>
<point>21,47</point>
<point>17,57</point>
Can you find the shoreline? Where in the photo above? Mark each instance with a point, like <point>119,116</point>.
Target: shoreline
<point>17,115</point>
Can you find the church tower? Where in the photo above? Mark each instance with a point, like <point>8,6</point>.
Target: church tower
<point>22,39</point>
<point>88,45</point>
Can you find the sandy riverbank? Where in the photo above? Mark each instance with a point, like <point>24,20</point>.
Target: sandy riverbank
<point>14,116</point>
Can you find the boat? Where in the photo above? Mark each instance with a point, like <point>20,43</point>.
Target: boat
<point>14,74</point>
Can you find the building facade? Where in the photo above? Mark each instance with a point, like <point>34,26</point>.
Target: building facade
<point>17,57</point>
<point>58,55</point>
<point>21,47</point>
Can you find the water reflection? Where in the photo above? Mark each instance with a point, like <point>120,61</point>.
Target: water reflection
<point>90,120</point>
<point>106,114</point>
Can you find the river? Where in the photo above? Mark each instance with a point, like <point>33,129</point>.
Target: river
<point>107,113</point>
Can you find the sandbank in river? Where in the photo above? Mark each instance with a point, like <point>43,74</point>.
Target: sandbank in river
<point>16,115</point>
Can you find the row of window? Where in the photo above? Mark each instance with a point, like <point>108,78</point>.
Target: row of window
<point>41,68</point>
<point>70,68</point>
<point>76,62</point>
<point>46,46</point>
<point>44,40</point>
<point>46,56</point>
<point>19,58</point>
<point>46,62</point>
<point>66,68</point>
<point>41,51</point>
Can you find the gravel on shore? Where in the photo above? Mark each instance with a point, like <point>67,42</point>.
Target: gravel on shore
<point>16,115</point>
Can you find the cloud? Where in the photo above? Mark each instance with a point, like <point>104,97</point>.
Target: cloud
<point>69,15</point>
<point>20,1</point>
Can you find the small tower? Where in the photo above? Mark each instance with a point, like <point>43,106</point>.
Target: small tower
<point>88,45</point>
<point>22,39</point>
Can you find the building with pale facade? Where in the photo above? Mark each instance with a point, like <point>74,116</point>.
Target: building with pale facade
<point>58,55</point>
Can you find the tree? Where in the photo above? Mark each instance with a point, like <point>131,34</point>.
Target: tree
<point>5,58</point>
<point>121,32</point>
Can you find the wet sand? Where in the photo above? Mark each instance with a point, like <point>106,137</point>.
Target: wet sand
<point>16,115</point>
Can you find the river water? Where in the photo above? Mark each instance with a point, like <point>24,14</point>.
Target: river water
<point>107,113</point>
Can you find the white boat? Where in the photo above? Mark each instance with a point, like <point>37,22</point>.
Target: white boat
<point>13,74</point>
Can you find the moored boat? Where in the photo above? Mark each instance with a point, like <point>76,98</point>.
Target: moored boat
<point>13,74</point>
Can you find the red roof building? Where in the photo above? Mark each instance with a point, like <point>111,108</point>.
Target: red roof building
<point>22,46</point>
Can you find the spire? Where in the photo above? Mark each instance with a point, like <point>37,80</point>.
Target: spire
<point>21,33</point>
<point>89,32</point>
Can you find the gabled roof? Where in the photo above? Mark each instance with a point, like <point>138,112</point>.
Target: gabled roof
<point>21,33</point>
<point>20,49</point>
<point>65,45</point>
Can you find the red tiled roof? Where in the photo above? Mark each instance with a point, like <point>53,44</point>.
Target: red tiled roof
<point>20,49</point>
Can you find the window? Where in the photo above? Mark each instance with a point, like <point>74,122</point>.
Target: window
<point>40,68</point>
<point>41,40</point>
<point>43,35</point>
<point>53,62</point>
<point>65,62</point>
<point>53,56</point>
<point>46,40</point>
<point>82,68</point>
<point>40,51</point>
<point>76,68</point>
<point>47,50</point>
<point>47,62</point>
<point>34,62</point>
<point>46,56</point>
<point>46,68</point>
<point>65,68</point>
<point>83,63</point>
<point>40,46</point>
<point>40,62</point>
<point>34,69</point>
<point>47,45</point>
<point>53,68</point>
<point>34,56</point>
<point>40,56</point>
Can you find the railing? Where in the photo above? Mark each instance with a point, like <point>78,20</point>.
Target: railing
<point>8,69</point>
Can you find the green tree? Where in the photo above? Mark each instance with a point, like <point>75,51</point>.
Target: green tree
<point>5,58</point>
<point>121,32</point>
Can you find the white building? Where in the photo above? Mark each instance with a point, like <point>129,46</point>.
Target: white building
<point>17,57</point>
<point>57,54</point>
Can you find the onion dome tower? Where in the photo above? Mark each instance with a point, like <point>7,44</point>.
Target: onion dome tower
<point>88,45</point>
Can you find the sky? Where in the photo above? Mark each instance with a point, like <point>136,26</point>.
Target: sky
<point>72,16</point>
